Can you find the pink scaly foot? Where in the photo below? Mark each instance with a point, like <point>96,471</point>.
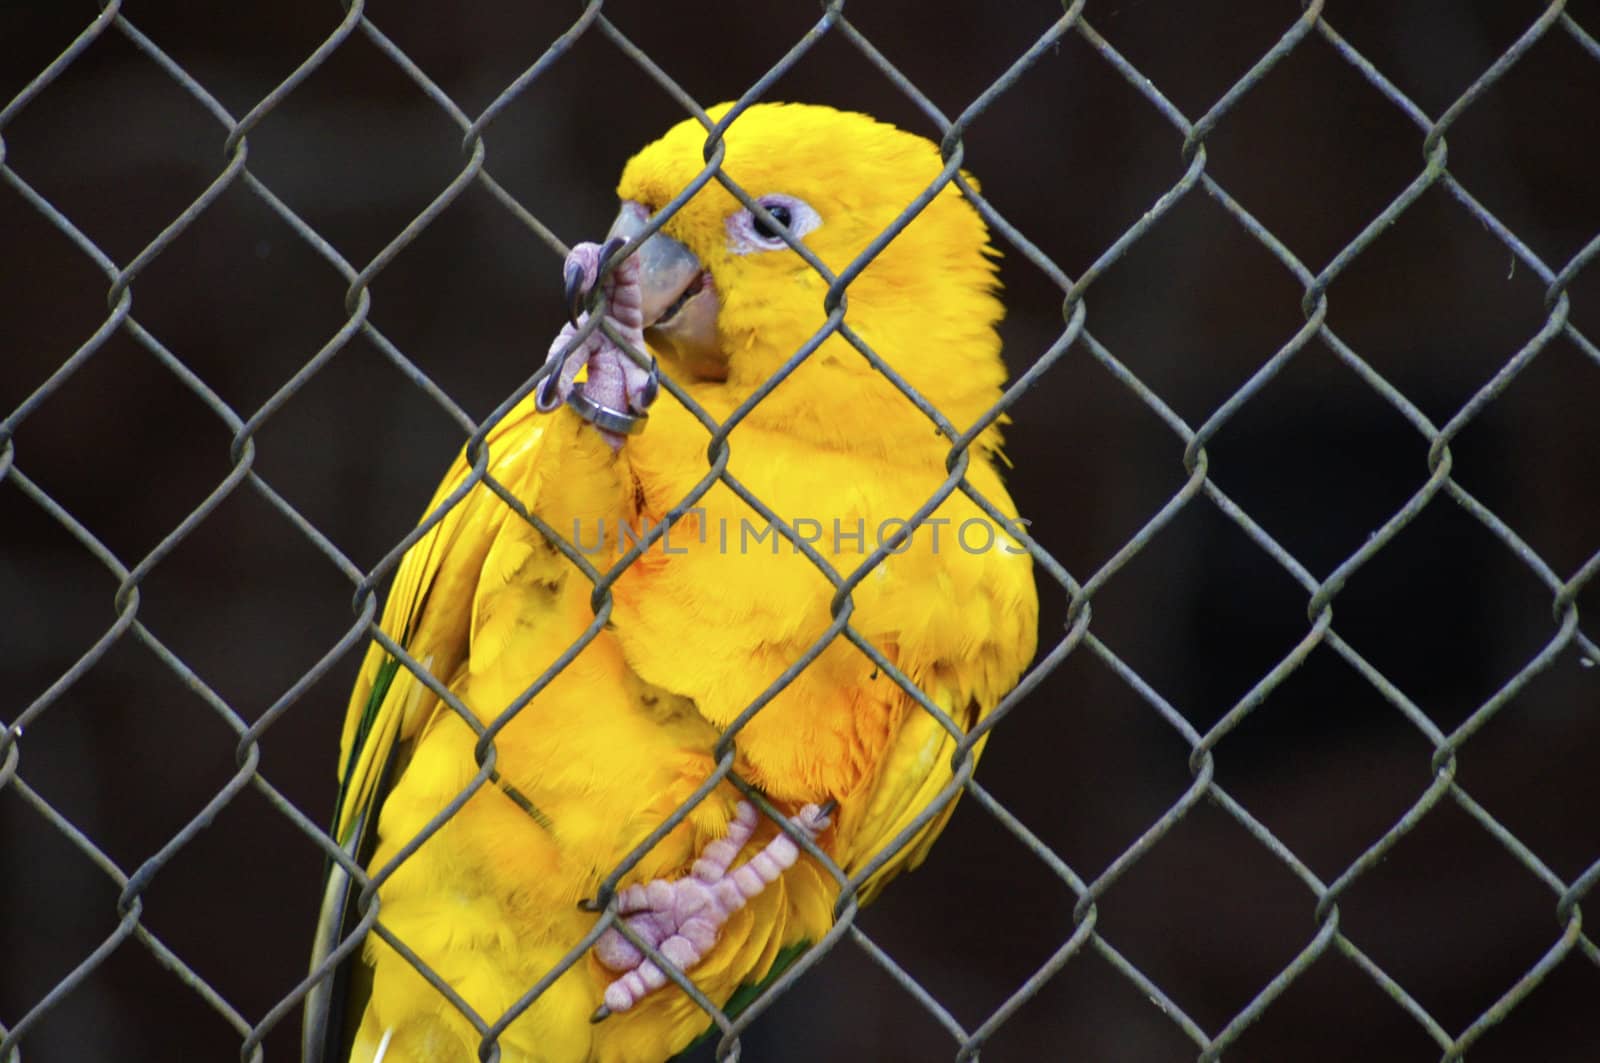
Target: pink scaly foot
<point>681,918</point>
<point>617,391</point>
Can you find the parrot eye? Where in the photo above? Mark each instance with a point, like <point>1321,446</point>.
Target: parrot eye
<point>780,214</point>
<point>747,233</point>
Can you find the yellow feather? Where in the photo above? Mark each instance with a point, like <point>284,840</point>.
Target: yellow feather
<point>610,746</point>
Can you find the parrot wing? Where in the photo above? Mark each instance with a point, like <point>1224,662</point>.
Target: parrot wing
<point>429,614</point>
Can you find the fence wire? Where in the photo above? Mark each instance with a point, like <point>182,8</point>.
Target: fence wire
<point>1306,30</point>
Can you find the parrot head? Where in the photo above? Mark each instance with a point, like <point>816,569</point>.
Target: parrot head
<point>728,301</point>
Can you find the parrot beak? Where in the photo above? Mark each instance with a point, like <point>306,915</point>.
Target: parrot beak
<point>680,303</point>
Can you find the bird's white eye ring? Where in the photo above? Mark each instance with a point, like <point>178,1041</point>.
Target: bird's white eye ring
<point>748,233</point>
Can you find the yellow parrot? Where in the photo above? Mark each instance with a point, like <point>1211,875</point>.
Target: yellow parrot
<point>700,625</point>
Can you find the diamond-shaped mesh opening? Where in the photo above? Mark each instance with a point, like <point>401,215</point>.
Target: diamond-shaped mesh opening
<point>1544,202</point>
<point>251,838</point>
<point>1179,905</point>
<point>1450,661</point>
<point>1468,46</point>
<point>1224,306</point>
<point>1407,911</point>
<point>240,299</point>
<point>1443,304</point>
<point>89,454</point>
<point>130,801</point>
<point>72,143</point>
<point>990,860</point>
<point>1303,312</point>
<point>1534,793</point>
<point>1338,1013</point>
<point>1286,146</point>
<point>67,904</point>
<point>1517,455</point>
<point>1326,763</point>
<point>211,578</point>
<point>1319,460</point>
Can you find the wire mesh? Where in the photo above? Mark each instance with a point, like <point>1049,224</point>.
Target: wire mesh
<point>1085,891</point>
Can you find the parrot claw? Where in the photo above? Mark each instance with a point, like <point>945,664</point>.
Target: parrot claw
<point>548,397</point>
<point>573,290</point>
<point>611,247</point>
<point>581,269</point>
<point>617,393</point>
<point>652,386</point>
<point>680,918</point>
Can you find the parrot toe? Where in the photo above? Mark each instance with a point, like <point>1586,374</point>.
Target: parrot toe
<point>680,918</point>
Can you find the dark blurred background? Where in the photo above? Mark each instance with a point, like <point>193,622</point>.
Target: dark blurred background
<point>1073,156</point>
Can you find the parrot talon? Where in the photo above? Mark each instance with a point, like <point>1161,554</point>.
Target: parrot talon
<point>601,1014</point>
<point>573,290</point>
<point>583,267</point>
<point>548,396</point>
<point>680,918</point>
<point>651,389</point>
<point>609,250</point>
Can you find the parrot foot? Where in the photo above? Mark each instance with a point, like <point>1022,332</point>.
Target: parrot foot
<point>617,391</point>
<point>680,918</point>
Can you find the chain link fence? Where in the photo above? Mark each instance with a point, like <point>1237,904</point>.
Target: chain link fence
<point>1093,899</point>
